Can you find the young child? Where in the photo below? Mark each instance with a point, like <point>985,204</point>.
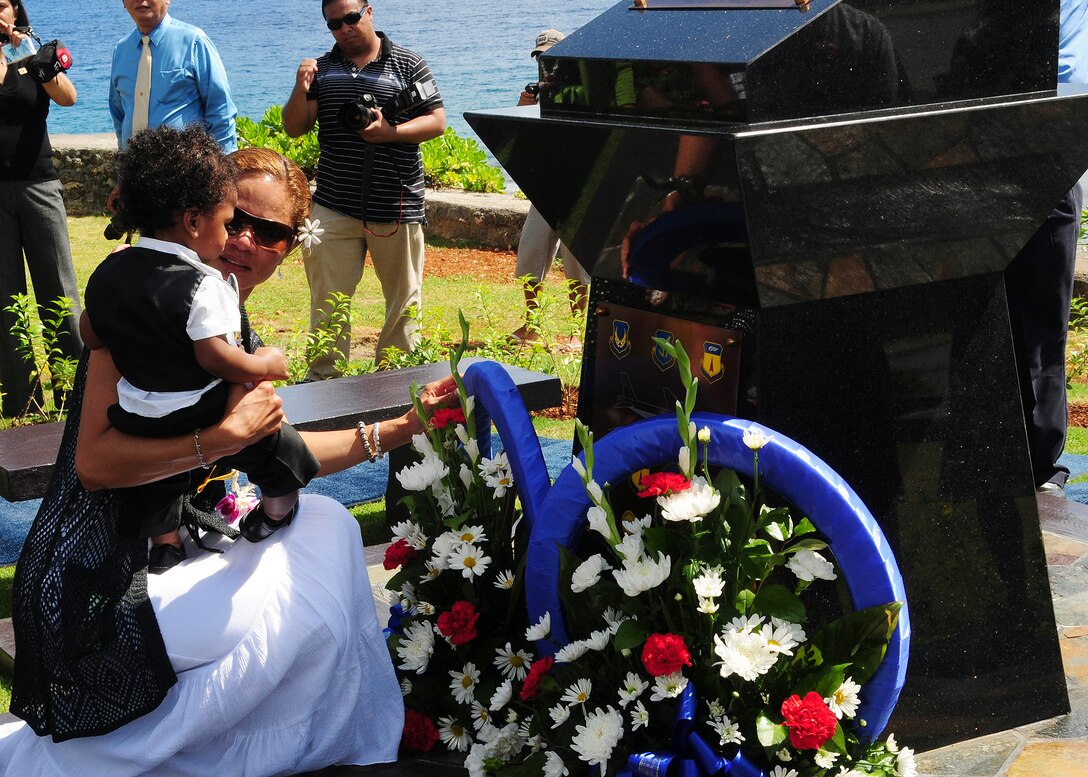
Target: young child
<point>172,325</point>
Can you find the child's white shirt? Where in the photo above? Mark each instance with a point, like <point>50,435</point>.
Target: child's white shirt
<point>214,313</point>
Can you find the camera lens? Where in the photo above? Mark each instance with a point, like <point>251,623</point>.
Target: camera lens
<point>354,116</point>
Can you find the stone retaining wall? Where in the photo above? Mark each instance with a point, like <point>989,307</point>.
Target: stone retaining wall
<point>490,220</point>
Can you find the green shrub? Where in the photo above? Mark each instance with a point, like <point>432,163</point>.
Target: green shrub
<point>460,163</point>
<point>268,133</point>
<point>38,342</point>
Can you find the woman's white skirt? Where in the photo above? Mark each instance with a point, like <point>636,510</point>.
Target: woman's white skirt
<point>282,666</point>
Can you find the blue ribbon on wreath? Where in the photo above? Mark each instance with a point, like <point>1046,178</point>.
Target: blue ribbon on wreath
<point>691,755</point>
<point>396,612</point>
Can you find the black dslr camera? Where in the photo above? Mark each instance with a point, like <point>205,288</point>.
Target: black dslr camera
<point>358,114</point>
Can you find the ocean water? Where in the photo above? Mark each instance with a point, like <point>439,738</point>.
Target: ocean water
<point>478,52</point>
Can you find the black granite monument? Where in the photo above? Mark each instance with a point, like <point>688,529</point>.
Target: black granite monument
<point>839,187</point>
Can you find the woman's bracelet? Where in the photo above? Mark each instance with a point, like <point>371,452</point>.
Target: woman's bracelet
<point>378,440</point>
<point>366,442</point>
<point>199,450</point>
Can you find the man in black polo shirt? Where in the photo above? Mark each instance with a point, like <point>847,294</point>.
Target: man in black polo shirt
<point>369,181</point>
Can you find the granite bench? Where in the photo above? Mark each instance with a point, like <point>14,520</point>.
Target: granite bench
<point>27,453</point>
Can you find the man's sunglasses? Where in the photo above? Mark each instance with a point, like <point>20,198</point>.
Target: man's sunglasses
<point>271,235</point>
<point>350,19</point>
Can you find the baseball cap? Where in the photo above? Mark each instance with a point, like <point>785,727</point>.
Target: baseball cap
<point>545,40</point>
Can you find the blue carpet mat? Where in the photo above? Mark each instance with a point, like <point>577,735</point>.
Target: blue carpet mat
<point>366,483</point>
<point>357,485</point>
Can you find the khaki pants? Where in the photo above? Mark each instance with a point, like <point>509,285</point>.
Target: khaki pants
<point>336,265</point>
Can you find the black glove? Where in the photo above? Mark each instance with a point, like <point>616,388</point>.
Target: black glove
<point>49,61</point>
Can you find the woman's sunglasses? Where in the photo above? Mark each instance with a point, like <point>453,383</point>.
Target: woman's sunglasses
<point>271,235</point>
<point>350,19</point>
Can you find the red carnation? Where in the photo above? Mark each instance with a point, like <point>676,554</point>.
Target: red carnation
<point>810,721</point>
<point>419,733</point>
<point>459,622</point>
<point>661,483</point>
<point>665,654</point>
<point>398,554</point>
<point>537,670</point>
<point>443,416</point>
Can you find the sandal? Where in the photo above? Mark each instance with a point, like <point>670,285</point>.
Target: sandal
<point>164,557</point>
<point>257,526</point>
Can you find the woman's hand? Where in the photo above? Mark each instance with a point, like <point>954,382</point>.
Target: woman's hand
<point>250,416</point>
<point>439,393</point>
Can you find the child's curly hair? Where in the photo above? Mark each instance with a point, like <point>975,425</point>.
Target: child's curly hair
<point>164,172</point>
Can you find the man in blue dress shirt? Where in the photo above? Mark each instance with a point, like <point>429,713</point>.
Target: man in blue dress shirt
<point>182,80</point>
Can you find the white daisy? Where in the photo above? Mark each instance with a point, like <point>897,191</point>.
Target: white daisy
<point>494,465</point>
<point>500,481</point>
<point>454,735</point>
<point>554,766</point>
<point>809,565</point>
<point>755,438</point>
<point>433,571</point>
<point>480,715</point>
<point>715,708</point>
<point>690,505</point>
<point>704,435</point>
<point>633,686</point>
<point>415,647</point>
<point>470,560</point>
<point>782,636</point>
<point>891,744</point>
<point>595,740</point>
<point>668,686</point>
<point>844,701</point>
<point>423,474</point>
<point>825,759</point>
<point>844,772</point>
<point>781,771</point>
<point>614,618</point>
<point>588,573</point>
<point>471,534</point>
<point>502,696</point>
<point>640,716</point>
<point>578,693</point>
<point>631,547</point>
<point>513,663</point>
<point>425,608</point>
<point>571,651</point>
<point>728,732</point>
<point>463,684</point>
<point>504,579</point>
<point>541,629</point>
<point>784,755</point>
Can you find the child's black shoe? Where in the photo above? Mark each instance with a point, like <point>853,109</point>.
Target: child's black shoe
<point>163,557</point>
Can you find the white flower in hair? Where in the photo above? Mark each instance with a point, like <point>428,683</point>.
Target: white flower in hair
<point>309,233</point>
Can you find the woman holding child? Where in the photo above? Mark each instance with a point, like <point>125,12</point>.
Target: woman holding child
<point>266,658</point>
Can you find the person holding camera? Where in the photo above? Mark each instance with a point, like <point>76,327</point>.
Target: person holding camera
<point>374,102</point>
<point>32,216</point>
<point>539,243</point>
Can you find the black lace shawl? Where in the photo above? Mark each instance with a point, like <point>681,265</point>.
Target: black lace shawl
<point>89,654</point>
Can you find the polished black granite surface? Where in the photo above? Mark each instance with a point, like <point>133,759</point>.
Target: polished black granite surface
<point>824,57</point>
<point>849,181</point>
<point>783,213</point>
